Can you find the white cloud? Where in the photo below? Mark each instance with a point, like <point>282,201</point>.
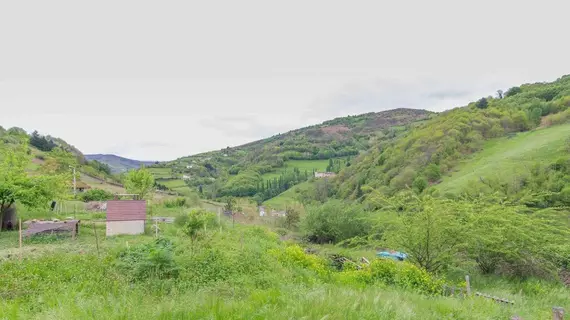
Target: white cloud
<point>156,80</point>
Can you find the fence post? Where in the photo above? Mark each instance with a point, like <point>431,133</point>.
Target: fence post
<point>20,229</point>
<point>96,240</point>
<point>468,285</point>
<point>557,313</point>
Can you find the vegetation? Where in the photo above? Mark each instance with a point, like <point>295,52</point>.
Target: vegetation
<point>139,182</point>
<point>96,195</point>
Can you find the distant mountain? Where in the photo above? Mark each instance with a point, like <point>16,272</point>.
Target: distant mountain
<point>118,164</point>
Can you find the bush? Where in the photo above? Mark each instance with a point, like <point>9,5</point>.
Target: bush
<point>175,203</point>
<point>96,195</point>
<point>335,221</point>
<point>146,261</point>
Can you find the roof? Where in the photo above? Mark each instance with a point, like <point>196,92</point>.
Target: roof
<point>35,228</point>
<point>82,185</point>
<point>126,210</point>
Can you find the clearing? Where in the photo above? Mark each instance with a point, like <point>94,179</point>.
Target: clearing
<point>509,156</point>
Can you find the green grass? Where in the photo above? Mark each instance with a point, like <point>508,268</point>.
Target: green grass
<point>508,157</point>
<point>160,173</point>
<point>288,197</point>
<point>226,275</point>
<point>302,165</point>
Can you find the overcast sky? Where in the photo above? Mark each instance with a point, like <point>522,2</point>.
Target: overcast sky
<point>157,80</point>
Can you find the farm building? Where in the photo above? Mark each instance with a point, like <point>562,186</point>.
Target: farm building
<point>324,174</point>
<point>126,217</point>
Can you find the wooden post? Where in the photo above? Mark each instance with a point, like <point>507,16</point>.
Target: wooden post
<point>20,228</point>
<point>467,285</point>
<point>156,228</point>
<point>558,313</point>
<point>96,239</point>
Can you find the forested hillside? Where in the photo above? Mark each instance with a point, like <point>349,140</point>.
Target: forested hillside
<point>432,151</point>
<point>118,164</point>
<point>270,166</point>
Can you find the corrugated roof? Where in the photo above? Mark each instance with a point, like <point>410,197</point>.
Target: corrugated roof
<point>35,228</point>
<point>126,210</point>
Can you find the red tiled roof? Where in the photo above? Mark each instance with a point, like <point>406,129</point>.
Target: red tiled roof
<point>126,210</point>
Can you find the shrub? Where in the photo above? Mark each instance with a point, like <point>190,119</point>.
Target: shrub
<point>335,221</point>
<point>96,195</point>
<point>175,203</point>
<point>146,261</point>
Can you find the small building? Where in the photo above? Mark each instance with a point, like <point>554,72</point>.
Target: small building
<point>324,174</point>
<point>185,177</point>
<point>126,217</point>
<point>81,186</point>
<point>261,211</point>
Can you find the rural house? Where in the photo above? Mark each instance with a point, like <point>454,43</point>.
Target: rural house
<point>126,217</point>
<point>324,174</point>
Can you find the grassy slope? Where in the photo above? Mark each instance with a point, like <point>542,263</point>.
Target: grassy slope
<point>302,165</point>
<point>288,197</point>
<point>509,156</point>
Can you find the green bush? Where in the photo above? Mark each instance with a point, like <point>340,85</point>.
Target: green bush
<point>176,203</point>
<point>96,195</point>
<point>150,260</point>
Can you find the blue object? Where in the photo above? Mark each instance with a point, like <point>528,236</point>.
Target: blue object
<point>396,255</point>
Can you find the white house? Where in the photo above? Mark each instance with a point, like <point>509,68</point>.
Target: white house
<point>324,174</point>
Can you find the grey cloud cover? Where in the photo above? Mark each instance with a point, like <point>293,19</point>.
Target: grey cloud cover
<point>160,80</point>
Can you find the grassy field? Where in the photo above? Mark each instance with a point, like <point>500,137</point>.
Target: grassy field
<point>302,165</point>
<point>288,197</point>
<point>229,272</point>
<point>507,157</point>
<point>161,173</point>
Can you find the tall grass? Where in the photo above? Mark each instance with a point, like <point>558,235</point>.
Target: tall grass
<point>243,272</point>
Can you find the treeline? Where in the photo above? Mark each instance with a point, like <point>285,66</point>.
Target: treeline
<point>434,148</point>
<point>41,142</point>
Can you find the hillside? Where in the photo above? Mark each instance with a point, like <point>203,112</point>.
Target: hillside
<point>241,170</point>
<point>490,137</point>
<point>116,163</point>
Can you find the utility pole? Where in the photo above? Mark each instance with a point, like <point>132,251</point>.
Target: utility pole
<point>74,182</point>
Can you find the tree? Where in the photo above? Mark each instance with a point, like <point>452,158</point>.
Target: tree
<point>420,184</point>
<point>17,186</point>
<point>200,189</point>
<point>512,91</point>
<point>500,94</point>
<point>139,182</point>
<point>292,218</point>
<point>430,235</point>
<point>482,103</point>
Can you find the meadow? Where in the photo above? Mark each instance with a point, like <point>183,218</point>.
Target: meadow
<point>508,157</point>
<point>302,165</point>
<point>232,272</point>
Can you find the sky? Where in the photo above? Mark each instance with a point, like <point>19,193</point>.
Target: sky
<point>158,80</point>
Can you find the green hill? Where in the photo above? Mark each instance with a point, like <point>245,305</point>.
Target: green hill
<point>451,140</point>
<point>510,157</point>
<point>241,170</point>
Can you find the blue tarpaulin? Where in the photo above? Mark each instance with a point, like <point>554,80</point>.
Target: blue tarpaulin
<point>396,255</point>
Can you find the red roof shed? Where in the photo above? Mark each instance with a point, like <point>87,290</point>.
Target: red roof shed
<point>126,210</point>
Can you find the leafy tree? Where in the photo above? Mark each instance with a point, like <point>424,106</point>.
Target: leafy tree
<point>292,218</point>
<point>200,189</point>
<point>17,186</point>
<point>500,94</point>
<point>335,221</point>
<point>139,182</point>
<point>420,184</point>
<point>41,142</point>
<point>513,91</point>
<point>431,235</point>
<point>482,103</point>
<point>433,172</point>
